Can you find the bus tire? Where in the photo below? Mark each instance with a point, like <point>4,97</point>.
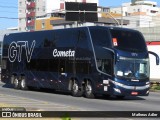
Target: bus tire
<point>75,90</point>
<point>16,83</point>
<point>89,90</point>
<point>23,84</point>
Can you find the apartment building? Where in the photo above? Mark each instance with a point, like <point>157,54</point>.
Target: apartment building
<point>28,10</point>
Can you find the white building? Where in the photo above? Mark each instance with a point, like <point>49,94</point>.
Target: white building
<point>140,13</point>
<point>55,5</point>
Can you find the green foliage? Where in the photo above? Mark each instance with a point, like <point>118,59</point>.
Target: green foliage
<point>155,87</point>
<point>66,117</point>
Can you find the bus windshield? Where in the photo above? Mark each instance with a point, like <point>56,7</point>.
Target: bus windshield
<point>132,68</point>
<point>125,40</point>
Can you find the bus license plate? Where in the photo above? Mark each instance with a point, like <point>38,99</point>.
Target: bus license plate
<point>134,93</point>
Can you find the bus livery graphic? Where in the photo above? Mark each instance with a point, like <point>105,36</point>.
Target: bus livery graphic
<point>69,53</point>
<point>15,50</point>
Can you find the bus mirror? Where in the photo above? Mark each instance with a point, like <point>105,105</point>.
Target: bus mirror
<point>157,57</point>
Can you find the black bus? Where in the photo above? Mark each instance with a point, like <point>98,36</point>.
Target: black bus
<point>85,61</point>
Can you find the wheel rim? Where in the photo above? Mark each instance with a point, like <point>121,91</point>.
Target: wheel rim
<point>12,80</point>
<point>16,82</point>
<point>88,89</point>
<point>23,84</point>
<point>75,87</point>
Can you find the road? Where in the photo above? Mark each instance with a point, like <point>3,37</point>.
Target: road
<point>62,101</point>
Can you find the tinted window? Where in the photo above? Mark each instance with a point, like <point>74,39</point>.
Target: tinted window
<point>81,39</point>
<point>105,65</point>
<point>100,37</point>
<point>128,40</point>
<point>65,38</point>
<point>43,65</point>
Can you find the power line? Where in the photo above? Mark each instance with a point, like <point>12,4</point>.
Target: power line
<point>8,18</point>
<point>8,6</point>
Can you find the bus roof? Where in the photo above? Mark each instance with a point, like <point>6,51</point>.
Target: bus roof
<point>109,27</point>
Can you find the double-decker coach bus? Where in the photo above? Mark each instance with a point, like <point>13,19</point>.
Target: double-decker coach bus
<point>85,61</point>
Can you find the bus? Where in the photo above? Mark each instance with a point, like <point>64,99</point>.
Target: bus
<point>85,61</point>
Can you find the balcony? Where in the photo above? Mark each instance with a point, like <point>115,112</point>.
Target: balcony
<point>31,5</point>
<point>30,14</point>
<point>30,23</point>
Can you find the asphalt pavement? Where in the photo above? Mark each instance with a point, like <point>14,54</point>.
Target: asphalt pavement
<point>57,101</point>
<point>31,104</point>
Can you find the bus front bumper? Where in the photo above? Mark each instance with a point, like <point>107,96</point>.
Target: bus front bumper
<point>125,90</point>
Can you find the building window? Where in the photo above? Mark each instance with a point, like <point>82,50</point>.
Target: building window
<point>137,23</point>
<point>20,20</point>
<point>43,25</point>
<point>20,11</point>
<point>126,14</point>
<point>105,10</point>
<point>61,5</point>
<point>43,8</point>
<point>20,3</point>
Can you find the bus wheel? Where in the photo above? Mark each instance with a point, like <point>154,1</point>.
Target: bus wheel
<point>23,84</point>
<point>76,92</point>
<point>16,83</point>
<point>88,90</point>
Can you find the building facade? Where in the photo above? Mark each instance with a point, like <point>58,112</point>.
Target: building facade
<point>45,23</point>
<point>55,11</point>
<point>28,10</point>
<point>140,13</point>
<point>143,16</point>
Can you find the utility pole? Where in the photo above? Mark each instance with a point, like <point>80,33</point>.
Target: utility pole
<point>121,16</point>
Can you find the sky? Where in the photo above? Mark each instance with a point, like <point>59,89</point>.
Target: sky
<point>9,11</point>
<point>110,3</point>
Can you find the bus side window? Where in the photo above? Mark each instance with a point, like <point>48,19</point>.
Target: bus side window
<point>66,39</point>
<point>105,65</point>
<point>82,39</point>
<point>100,37</point>
<point>48,43</point>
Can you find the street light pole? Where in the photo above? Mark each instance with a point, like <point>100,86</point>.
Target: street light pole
<point>121,16</point>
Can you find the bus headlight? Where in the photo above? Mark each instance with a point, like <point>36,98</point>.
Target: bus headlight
<point>117,90</point>
<point>118,84</point>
